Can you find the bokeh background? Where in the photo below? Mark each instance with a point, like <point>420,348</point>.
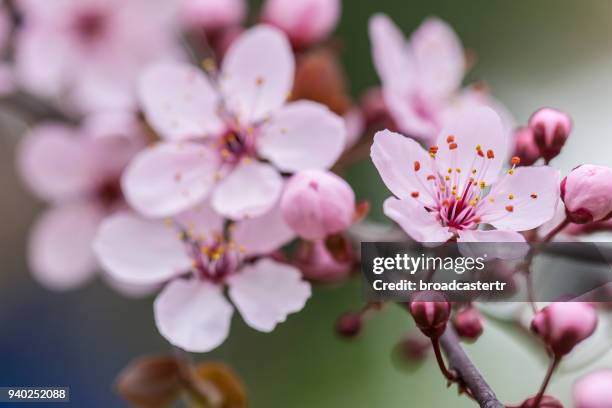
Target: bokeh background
<point>532,54</point>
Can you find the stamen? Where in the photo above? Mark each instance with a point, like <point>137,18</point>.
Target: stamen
<point>515,161</point>
<point>415,194</point>
<point>509,208</point>
<point>452,146</point>
<point>510,196</point>
<point>490,154</point>
<point>417,166</point>
<point>534,196</point>
<point>450,139</point>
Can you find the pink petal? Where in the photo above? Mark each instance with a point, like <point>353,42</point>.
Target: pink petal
<point>303,135</point>
<point>391,55</point>
<point>477,126</point>
<point>169,178</point>
<point>138,251</point>
<point>492,244</point>
<point>179,101</point>
<point>421,225</point>
<point>257,73</point>
<point>56,163</point>
<point>213,14</point>
<point>201,220</point>
<point>522,212</point>
<point>395,157</point>
<point>193,315</point>
<point>59,252</point>
<point>250,190</point>
<point>440,58</point>
<point>263,234</point>
<point>266,292</point>
<point>490,236</point>
<point>411,114</point>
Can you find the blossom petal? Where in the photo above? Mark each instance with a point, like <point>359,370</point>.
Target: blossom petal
<point>266,292</point>
<point>523,200</point>
<point>303,135</point>
<point>257,73</point>
<point>56,163</point>
<point>201,220</point>
<point>139,251</point>
<point>251,189</point>
<point>263,234</point>
<point>407,113</point>
<point>492,244</point>
<point>421,225</point>
<point>440,58</point>
<point>179,101</point>
<point>403,165</point>
<point>193,315</point>
<point>477,126</point>
<point>168,178</point>
<point>59,252</point>
<point>392,58</point>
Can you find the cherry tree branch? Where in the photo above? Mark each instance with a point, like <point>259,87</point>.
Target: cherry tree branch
<point>459,361</point>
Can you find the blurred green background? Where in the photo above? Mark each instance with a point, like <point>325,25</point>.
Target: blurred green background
<point>556,53</point>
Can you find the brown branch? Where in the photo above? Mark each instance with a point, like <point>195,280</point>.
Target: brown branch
<point>467,372</point>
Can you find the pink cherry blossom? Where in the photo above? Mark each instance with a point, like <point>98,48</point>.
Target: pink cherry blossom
<point>92,50</point>
<point>317,203</point>
<point>77,170</point>
<point>193,258</point>
<point>421,78</point>
<point>456,187</point>
<point>587,193</point>
<point>305,21</point>
<point>562,325</point>
<point>551,129</point>
<point>326,260</point>
<point>594,390</point>
<point>525,147</point>
<point>213,15</point>
<point>217,127</point>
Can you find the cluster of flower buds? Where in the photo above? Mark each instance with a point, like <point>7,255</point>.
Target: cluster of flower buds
<point>543,137</point>
<point>562,325</point>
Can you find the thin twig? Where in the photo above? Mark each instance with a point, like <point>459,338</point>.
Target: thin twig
<point>467,372</point>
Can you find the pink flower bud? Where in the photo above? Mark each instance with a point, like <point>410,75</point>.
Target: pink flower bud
<point>304,21</point>
<point>550,130</point>
<point>430,311</point>
<point>546,402</point>
<point>525,147</point>
<point>468,323</point>
<point>563,325</point>
<point>349,325</point>
<point>328,260</point>
<point>587,193</point>
<point>213,15</point>
<point>317,203</point>
<point>594,390</point>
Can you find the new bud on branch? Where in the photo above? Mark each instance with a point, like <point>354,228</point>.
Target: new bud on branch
<point>317,203</point>
<point>525,147</point>
<point>430,311</point>
<point>587,193</point>
<point>563,325</point>
<point>550,129</point>
<point>468,323</point>
<point>594,390</point>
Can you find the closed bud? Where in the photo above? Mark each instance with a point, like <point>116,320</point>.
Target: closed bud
<point>349,324</point>
<point>587,193</point>
<point>326,260</point>
<point>317,203</point>
<point>305,21</point>
<point>594,390</point>
<point>468,323</point>
<point>563,325</point>
<point>525,147</point>
<point>430,311</point>
<point>550,128</point>
<point>546,402</point>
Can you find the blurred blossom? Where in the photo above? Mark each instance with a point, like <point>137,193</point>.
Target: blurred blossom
<point>213,15</point>
<point>551,129</point>
<point>326,260</point>
<point>216,128</point>
<point>77,171</point>
<point>192,254</point>
<point>349,324</point>
<point>91,50</point>
<point>587,193</point>
<point>421,78</point>
<point>562,325</point>
<point>456,186</point>
<point>305,21</point>
<point>7,77</point>
<point>317,203</point>
<point>468,323</point>
<point>525,147</point>
<point>594,390</point>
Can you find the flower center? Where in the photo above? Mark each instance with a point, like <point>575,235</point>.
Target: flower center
<point>236,144</point>
<point>90,25</point>
<point>109,192</point>
<point>212,260</point>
